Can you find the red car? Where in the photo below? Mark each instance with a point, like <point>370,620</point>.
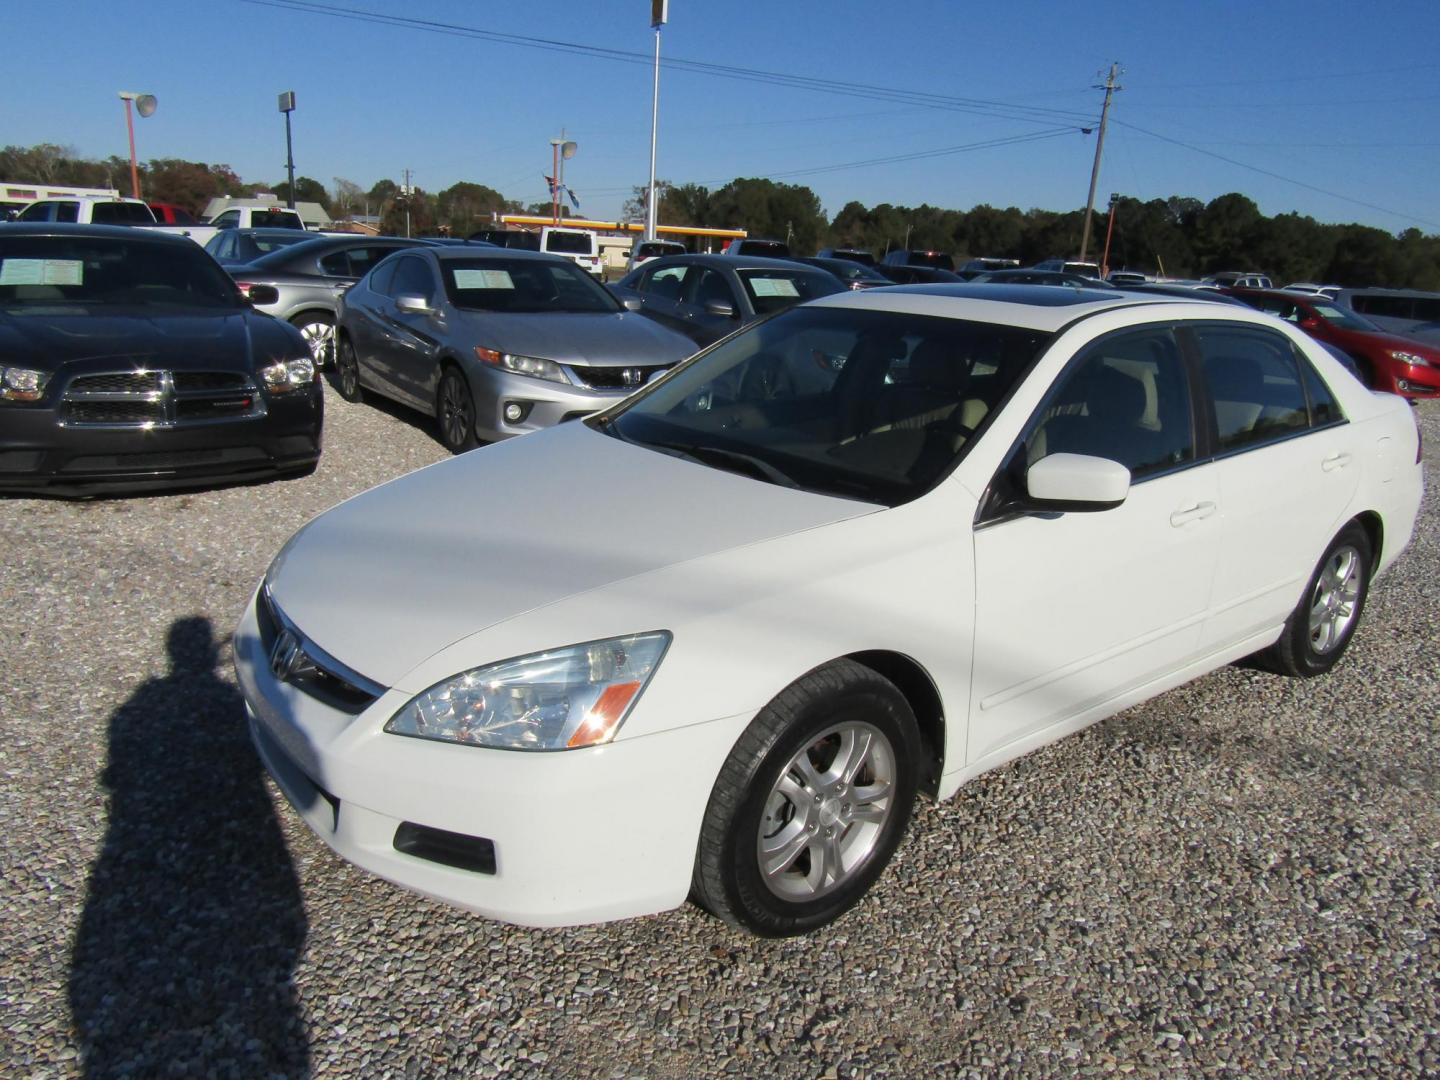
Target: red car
<point>170,214</point>
<point>1386,362</point>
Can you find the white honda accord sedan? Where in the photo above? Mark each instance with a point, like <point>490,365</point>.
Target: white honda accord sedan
<point>713,642</point>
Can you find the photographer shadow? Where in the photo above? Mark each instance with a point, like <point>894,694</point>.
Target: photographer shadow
<point>185,955</point>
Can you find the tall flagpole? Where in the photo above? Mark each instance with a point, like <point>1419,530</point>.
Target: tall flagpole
<point>659,12</point>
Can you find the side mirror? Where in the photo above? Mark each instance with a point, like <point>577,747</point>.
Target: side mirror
<point>1067,483</point>
<point>720,309</point>
<point>414,305</point>
<point>261,295</point>
<point>631,303</point>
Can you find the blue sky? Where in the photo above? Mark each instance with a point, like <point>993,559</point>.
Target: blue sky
<point>1341,97</point>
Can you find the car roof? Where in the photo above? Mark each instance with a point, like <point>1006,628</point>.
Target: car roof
<point>733,262</point>
<point>1035,307</point>
<point>110,232</point>
<point>453,252</point>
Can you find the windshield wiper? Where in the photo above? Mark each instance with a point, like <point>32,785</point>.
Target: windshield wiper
<point>728,459</point>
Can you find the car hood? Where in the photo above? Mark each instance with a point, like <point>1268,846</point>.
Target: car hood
<point>48,337</point>
<point>1381,339</point>
<point>623,339</point>
<point>391,577</point>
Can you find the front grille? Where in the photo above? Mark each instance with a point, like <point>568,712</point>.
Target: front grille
<point>159,398</point>
<point>313,672</point>
<point>614,378</point>
<point>120,382</point>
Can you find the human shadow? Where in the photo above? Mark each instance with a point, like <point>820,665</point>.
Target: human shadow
<point>184,958</point>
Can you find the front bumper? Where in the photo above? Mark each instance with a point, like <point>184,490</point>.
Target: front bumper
<point>542,404</point>
<point>575,836</point>
<point>40,453</point>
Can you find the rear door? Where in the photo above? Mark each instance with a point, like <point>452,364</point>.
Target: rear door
<point>662,293</point>
<point>1287,467</point>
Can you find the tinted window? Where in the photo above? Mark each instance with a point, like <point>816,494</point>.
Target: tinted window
<point>713,287</point>
<point>275,219</point>
<point>40,211</point>
<point>228,220</point>
<point>67,211</point>
<point>413,278</point>
<point>570,243</point>
<point>666,283</point>
<point>1254,380</point>
<point>380,280</point>
<point>121,213</point>
<point>1324,409</point>
<point>1126,398</point>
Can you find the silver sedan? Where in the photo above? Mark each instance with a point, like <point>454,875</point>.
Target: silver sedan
<point>494,343</point>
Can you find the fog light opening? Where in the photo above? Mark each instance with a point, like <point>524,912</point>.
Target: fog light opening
<point>516,411</point>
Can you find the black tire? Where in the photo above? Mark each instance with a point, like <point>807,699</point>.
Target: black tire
<point>1320,628</point>
<point>347,372</point>
<point>455,412</point>
<point>830,708</point>
<point>318,329</point>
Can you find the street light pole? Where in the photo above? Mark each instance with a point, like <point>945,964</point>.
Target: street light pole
<point>659,13</point>
<point>287,106</point>
<point>145,105</point>
<point>1110,89</point>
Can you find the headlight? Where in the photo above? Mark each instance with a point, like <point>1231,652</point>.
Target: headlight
<point>558,700</point>
<point>1411,358</point>
<point>535,366</point>
<point>286,375</point>
<point>22,384</point>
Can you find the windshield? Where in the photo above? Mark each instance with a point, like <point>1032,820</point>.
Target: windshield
<point>524,285</point>
<point>43,271</point>
<point>868,405</point>
<point>1345,320</point>
<point>774,290</point>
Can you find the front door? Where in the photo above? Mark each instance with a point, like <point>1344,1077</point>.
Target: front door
<point>1075,609</point>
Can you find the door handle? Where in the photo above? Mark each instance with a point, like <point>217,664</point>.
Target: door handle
<point>1337,460</point>
<point>1194,513</point>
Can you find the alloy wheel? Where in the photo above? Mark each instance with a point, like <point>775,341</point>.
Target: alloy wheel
<point>1334,602</point>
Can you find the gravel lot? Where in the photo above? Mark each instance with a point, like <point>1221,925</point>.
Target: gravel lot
<point>1238,879</point>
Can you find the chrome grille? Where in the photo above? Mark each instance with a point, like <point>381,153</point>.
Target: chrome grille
<point>296,660</point>
<point>159,398</point>
<point>614,378</point>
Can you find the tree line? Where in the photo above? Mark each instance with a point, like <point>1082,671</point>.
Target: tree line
<point>1178,236</point>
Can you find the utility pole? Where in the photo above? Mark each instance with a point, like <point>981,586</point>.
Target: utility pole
<point>1109,89</point>
<point>659,13</point>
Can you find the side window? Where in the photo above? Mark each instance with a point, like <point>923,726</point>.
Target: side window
<point>225,246</point>
<point>381,279</point>
<point>412,278</point>
<point>67,211</point>
<point>362,259</point>
<point>1254,380</point>
<point>1126,398</point>
<point>712,286</point>
<point>667,283</point>
<point>337,264</point>
<point>1324,409</point>
<point>230,219</point>
<point>40,211</point>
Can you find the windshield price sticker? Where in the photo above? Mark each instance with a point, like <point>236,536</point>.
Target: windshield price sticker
<point>483,279</point>
<point>41,272</point>
<point>765,286</point>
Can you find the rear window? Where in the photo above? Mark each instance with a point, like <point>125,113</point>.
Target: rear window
<point>770,249</point>
<point>275,219</point>
<point>774,290</point>
<point>937,259</point>
<point>121,213</point>
<point>570,243</point>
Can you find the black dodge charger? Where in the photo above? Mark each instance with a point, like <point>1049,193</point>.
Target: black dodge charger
<point>129,360</point>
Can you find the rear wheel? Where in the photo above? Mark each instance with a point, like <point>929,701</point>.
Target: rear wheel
<point>455,412</point>
<point>347,372</point>
<point>811,803</point>
<point>1320,628</point>
<point>318,330</point>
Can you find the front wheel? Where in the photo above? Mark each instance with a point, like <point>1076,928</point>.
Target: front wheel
<point>811,803</point>
<point>455,412</point>
<point>1320,628</point>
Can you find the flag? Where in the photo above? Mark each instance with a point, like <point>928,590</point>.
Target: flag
<point>573,200</point>
<point>550,183</point>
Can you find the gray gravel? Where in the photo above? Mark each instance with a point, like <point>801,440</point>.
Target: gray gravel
<point>1237,879</point>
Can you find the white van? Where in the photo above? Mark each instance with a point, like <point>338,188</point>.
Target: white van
<point>579,246</point>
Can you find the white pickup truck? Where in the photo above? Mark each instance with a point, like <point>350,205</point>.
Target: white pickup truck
<point>91,210</point>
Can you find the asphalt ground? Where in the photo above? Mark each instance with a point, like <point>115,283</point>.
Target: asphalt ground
<point>1236,879</point>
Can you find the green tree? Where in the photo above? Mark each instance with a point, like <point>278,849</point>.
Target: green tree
<point>188,183</point>
<point>766,209</point>
<point>306,190</point>
<point>422,214</point>
<point>465,207</point>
